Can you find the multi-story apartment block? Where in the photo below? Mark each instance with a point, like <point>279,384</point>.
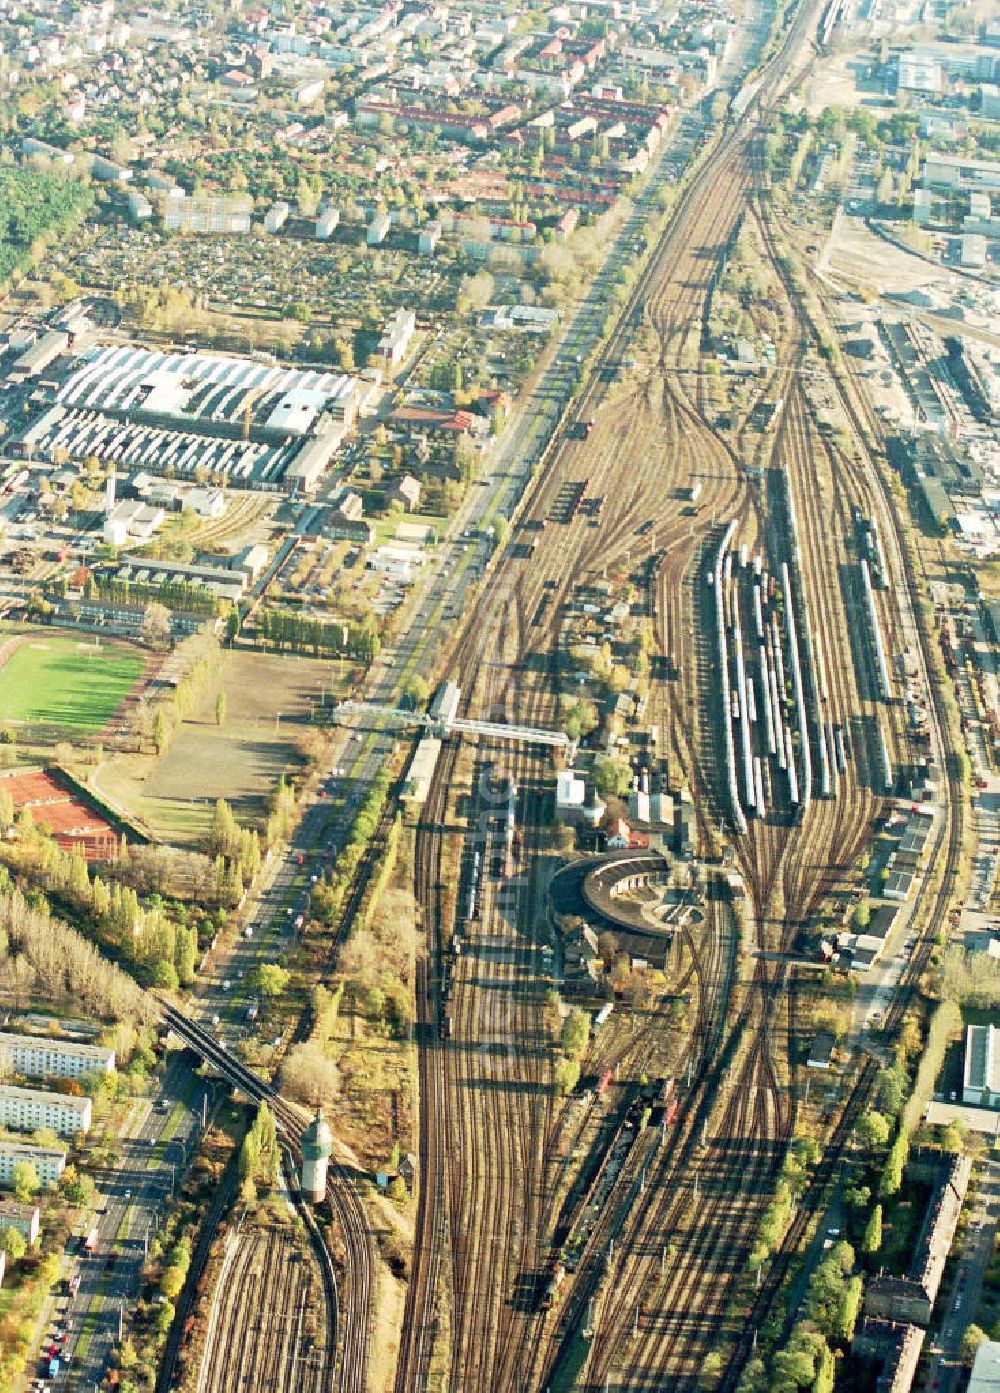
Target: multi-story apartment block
<point>22,1217</point>
<point>40,1057</point>
<point>27,1109</point>
<point>49,1164</point>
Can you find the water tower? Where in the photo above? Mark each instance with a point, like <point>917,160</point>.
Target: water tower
<point>317,1143</point>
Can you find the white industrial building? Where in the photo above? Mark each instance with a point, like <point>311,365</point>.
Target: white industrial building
<point>981,1074</point>
<point>37,358</point>
<point>48,1164</point>
<point>918,72</point>
<point>958,172</point>
<point>571,794</point>
<point>206,503</point>
<point>973,254</point>
<point>132,518</point>
<point>27,1109</point>
<point>40,1057</point>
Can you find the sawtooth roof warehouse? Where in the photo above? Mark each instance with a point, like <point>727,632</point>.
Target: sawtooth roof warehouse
<point>249,424</point>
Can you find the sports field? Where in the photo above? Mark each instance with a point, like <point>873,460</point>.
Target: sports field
<point>65,682</point>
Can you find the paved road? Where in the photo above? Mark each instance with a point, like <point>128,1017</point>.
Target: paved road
<point>957,1308</point>
<point>153,1153</point>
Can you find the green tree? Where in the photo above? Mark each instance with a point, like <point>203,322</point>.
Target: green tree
<point>567,1075</point>
<point>872,1240</point>
<point>953,1137</point>
<point>611,776</point>
<point>165,975</point>
<point>974,1337</point>
<point>12,1242</point>
<point>77,1189</point>
<point>825,1372</point>
<point>872,1131</point>
<point>161,731</point>
<point>892,1173</point>
<point>892,1086</point>
<point>848,1310</point>
<point>220,709</point>
<point>271,979</point>
<point>24,1181</point>
<point>417,690</point>
<point>172,1282</point>
<point>576,1033</point>
<point>186,955</point>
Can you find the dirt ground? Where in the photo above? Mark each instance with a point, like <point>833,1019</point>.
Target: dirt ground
<point>390,1302</point>
<point>857,255</point>
<point>268,702</point>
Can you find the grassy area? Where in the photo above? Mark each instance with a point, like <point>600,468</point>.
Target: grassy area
<point>269,701</point>
<point>67,683</point>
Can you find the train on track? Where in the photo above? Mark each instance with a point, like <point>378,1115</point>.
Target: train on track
<point>655,1103</point>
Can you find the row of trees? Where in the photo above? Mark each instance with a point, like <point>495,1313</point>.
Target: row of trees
<point>42,956</point>
<point>285,631</point>
<point>260,1158</point>
<point>162,951</point>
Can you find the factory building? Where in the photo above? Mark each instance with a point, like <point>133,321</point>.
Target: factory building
<point>317,1144</point>
<point>39,1057</point>
<point>981,1074</point>
<point>27,1109</point>
<point>48,1163</point>
<point>38,357</point>
<point>244,423</point>
<point>958,172</point>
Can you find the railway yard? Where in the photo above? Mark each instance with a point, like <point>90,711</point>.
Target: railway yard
<point>614,1253</point>
<point>675,751</point>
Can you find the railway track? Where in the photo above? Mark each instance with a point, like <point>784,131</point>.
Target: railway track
<point>345,1364</point>
<point>750,1128</point>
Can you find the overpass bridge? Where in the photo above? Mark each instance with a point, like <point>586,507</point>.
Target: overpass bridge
<point>446,723</point>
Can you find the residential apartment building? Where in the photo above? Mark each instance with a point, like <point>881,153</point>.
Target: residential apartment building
<point>40,1057</point>
<point>27,1109</point>
<point>396,336</point>
<point>22,1217</point>
<point>48,1164</point>
<point>225,215</point>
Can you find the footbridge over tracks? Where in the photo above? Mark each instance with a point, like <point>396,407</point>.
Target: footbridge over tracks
<point>447,724</point>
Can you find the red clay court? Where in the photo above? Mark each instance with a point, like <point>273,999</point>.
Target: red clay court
<point>72,822</point>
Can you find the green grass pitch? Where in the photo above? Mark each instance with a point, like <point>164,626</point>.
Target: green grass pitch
<point>65,682</point>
